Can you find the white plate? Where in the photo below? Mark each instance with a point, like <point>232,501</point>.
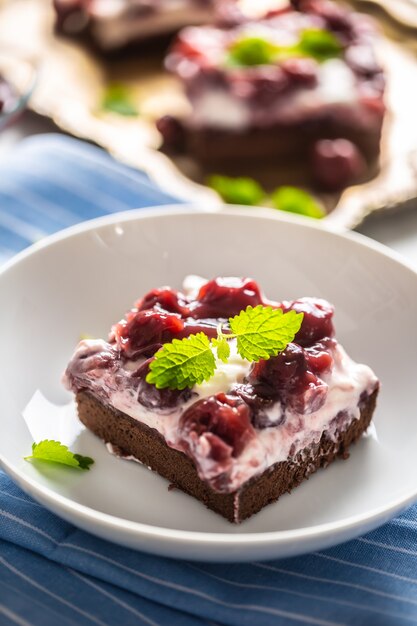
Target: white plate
<point>82,280</point>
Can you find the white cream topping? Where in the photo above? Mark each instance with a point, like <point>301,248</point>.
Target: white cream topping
<point>220,109</point>
<point>336,85</point>
<point>226,374</point>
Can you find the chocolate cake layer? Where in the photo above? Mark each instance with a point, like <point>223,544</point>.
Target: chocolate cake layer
<point>279,155</point>
<point>149,447</point>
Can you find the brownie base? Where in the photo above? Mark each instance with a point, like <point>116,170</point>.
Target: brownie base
<point>288,146</point>
<point>149,447</point>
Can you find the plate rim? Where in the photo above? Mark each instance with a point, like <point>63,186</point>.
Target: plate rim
<point>345,527</point>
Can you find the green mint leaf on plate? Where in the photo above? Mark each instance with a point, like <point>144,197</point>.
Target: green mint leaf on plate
<point>182,363</point>
<point>118,99</point>
<point>252,50</point>
<point>263,332</point>
<point>319,44</point>
<point>296,200</point>
<point>222,348</point>
<point>56,452</point>
<point>237,190</point>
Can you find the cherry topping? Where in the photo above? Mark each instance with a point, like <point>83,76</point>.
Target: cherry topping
<point>222,420</point>
<point>91,356</point>
<point>145,331</point>
<point>164,298</point>
<point>319,358</point>
<point>172,131</point>
<point>336,163</point>
<point>317,322</point>
<point>279,373</point>
<point>225,297</point>
<point>259,404</point>
<point>309,395</point>
<point>301,71</point>
<point>285,378</point>
<point>261,84</point>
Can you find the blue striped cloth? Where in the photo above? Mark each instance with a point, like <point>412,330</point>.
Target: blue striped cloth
<point>52,573</point>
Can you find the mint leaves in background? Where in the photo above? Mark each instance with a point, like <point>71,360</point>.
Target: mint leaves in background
<point>295,200</point>
<point>237,190</point>
<point>253,50</point>
<point>118,99</point>
<point>249,192</point>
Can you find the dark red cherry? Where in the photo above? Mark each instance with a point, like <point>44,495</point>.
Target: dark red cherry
<point>317,322</point>
<point>93,355</point>
<point>301,71</point>
<point>225,297</point>
<point>279,373</point>
<point>223,417</point>
<point>164,298</point>
<point>145,331</point>
<point>337,163</point>
<point>319,357</point>
<point>259,405</point>
<point>172,131</point>
<point>335,15</point>
<point>309,396</point>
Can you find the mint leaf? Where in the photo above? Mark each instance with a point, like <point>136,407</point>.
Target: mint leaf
<point>222,348</point>
<point>56,452</point>
<point>237,190</point>
<point>118,99</point>
<point>319,44</point>
<point>182,363</point>
<point>296,200</point>
<point>249,51</point>
<point>263,332</point>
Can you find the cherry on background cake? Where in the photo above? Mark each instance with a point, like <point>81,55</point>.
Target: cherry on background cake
<point>113,25</point>
<point>300,84</point>
<point>249,430</point>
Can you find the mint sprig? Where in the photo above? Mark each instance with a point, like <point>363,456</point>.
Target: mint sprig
<point>222,347</point>
<point>182,363</point>
<point>55,452</point>
<point>260,332</point>
<point>250,50</point>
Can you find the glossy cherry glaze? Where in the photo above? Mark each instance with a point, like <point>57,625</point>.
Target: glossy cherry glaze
<point>225,297</point>
<point>217,428</point>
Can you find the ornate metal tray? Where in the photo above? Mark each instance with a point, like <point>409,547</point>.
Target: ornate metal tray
<point>72,82</point>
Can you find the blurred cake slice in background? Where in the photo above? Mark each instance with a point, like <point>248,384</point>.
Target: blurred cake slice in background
<point>112,25</point>
<point>299,85</point>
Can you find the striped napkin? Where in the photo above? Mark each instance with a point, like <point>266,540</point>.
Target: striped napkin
<point>52,573</point>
